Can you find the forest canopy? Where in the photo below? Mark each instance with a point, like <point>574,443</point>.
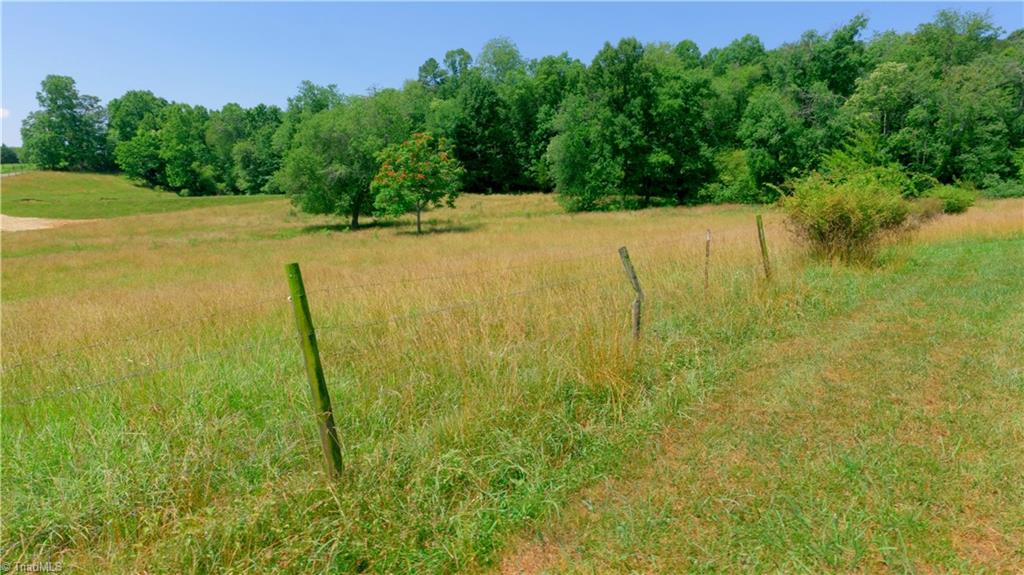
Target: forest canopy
<point>639,125</point>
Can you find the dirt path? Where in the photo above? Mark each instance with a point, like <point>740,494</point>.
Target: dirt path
<point>887,442</point>
<point>16,224</point>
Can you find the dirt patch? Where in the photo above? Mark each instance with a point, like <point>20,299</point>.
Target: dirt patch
<point>16,224</point>
<point>534,557</point>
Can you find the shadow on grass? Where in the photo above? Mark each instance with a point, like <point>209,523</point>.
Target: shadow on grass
<point>406,228</point>
<point>375,225</point>
<point>432,228</point>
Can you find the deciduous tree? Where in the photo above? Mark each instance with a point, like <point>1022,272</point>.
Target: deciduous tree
<point>416,175</point>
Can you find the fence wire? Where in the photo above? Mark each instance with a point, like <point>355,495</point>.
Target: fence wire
<point>207,357</point>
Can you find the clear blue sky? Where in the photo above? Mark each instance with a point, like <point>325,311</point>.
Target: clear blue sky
<point>211,54</point>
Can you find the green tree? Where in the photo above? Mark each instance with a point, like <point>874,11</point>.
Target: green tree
<point>772,134</point>
<point>188,161</point>
<point>431,74</point>
<point>310,100</point>
<point>636,131</point>
<point>622,81</point>
<point>68,132</point>
<point>553,78</point>
<point>127,113</point>
<point>334,159</point>
<point>500,59</point>
<point>457,63</point>
<point>482,135</point>
<point>680,162</point>
<point>949,104</point>
<point>724,108</point>
<point>256,159</point>
<point>8,155</point>
<point>835,60</point>
<point>954,38</point>
<point>139,158</point>
<point>224,129</point>
<point>744,51</point>
<point>418,174</point>
<point>688,53</point>
<point>585,165</point>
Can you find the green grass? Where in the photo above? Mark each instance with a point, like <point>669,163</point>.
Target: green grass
<point>65,195</point>
<point>11,168</point>
<point>883,436</point>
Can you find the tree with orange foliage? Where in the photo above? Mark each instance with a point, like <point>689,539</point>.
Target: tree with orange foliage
<point>416,175</point>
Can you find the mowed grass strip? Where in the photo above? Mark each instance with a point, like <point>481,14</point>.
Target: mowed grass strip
<point>76,196</point>
<point>887,439</point>
<point>14,168</point>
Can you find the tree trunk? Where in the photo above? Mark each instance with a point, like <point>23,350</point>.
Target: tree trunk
<point>419,209</point>
<point>355,219</point>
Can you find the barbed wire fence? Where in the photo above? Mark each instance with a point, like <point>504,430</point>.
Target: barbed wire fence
<point>319,402</point>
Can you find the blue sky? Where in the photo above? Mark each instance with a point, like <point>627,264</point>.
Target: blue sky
<point>211,54</point>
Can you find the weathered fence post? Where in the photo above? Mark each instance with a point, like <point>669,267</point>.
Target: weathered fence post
<point>639,300</point>
<point>707,260</point>
<point>317,384</point>
<point>764,248</point>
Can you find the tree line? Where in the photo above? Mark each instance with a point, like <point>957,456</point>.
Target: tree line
<point>642,124</point>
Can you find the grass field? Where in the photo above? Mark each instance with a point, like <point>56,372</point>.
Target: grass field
<point>12,168</point>
<point>76,196</point>
<point>886,438</point>
<point>836,419</point>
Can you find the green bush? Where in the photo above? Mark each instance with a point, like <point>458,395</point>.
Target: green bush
<point>845,219</point>
<point>856,163</point>
<point>997,188</point>
<point>955,200</point>
<point>922,183</point>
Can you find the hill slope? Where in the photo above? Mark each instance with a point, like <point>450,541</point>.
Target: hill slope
<point>87,196</point>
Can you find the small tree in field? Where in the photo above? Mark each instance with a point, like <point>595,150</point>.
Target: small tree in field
<point>418,174</point>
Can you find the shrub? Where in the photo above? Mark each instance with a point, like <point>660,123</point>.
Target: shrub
<point>845,219</point>
<point>997,188</point>
<point>922,183</point>
<point>925,209</point>
<point>955,200</point>
<point>842,165</point>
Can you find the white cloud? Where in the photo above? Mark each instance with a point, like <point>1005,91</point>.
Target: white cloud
<point>4,112</point>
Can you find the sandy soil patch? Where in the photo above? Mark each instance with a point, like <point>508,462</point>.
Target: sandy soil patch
<point>16,224</point>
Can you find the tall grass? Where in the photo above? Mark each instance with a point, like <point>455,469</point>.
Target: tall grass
<point>458,426</point>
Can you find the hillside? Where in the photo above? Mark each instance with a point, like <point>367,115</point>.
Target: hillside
<point>68,195</point>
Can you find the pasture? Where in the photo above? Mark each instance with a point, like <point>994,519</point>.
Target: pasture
<point>69,195</point>
<point>15,168</point>
<point>493,409</point>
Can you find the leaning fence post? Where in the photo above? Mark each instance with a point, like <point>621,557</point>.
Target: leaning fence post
<point>764,248</point>
<point>707,259</point>
<point>317,384</point>
<point>639,300</point>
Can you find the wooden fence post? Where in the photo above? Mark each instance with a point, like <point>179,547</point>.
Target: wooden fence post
<point>639,300</point>
<point>764,248</point>
<point>317,384</point>
<point>707,260</point>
